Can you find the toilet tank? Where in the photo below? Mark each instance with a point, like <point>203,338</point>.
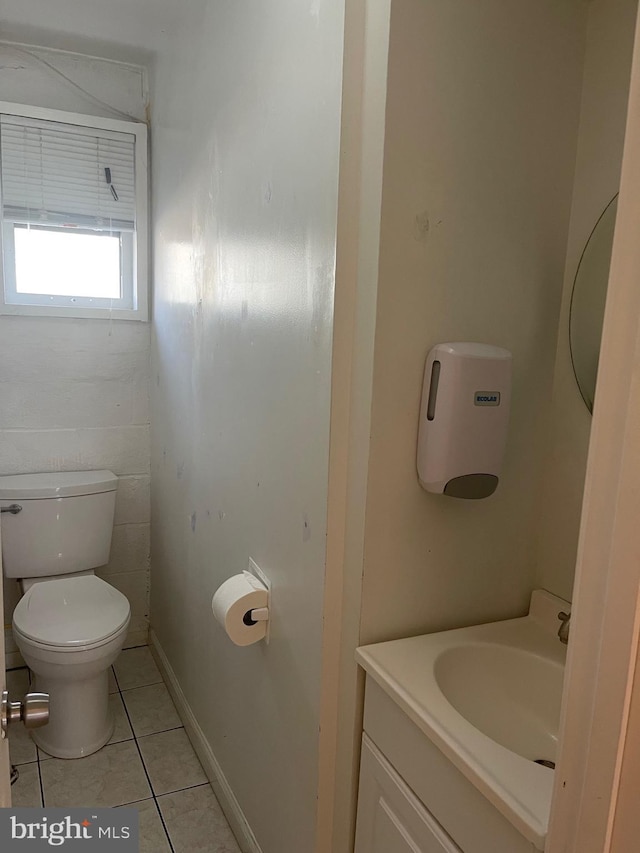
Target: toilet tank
<point>64,525</point>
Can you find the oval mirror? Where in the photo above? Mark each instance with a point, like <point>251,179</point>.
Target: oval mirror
<point>588,300</point>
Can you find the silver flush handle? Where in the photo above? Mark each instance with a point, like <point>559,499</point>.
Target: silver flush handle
<point>33,711</point>
<point>14,509</point>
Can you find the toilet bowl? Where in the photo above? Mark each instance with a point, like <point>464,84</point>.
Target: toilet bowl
<point>69,624</point>
<point>69,632</point>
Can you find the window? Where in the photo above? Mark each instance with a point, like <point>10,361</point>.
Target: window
<point>73,200</point>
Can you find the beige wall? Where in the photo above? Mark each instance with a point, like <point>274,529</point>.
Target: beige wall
<point>599,708</point>
<point>597,176</point>
<point>246,143</point>
<point>74,393</point>
<point>482,113</point>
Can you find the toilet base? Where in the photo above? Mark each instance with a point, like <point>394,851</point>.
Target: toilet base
<point>80,720</point>
<point>77,681</point>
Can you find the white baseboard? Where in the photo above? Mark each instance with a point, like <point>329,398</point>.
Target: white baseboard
<point>230,806</point>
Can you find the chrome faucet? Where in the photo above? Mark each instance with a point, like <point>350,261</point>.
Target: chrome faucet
<point>563,630</point>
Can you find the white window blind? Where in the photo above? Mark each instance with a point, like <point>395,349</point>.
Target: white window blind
<point>56,174</point>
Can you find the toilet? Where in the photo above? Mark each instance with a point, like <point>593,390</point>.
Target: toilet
<point>69,624</point>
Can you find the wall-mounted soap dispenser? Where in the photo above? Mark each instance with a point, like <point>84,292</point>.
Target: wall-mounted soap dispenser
<point>464,417</point>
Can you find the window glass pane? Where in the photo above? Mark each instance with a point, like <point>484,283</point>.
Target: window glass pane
<point>60,262</point>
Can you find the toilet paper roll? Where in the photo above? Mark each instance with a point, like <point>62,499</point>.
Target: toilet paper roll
<point>232,603</point>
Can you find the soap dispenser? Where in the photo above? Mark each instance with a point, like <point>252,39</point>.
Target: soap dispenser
<point>464,416</point>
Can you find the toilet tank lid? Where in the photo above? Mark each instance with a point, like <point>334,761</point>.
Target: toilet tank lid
<point>60,484</point>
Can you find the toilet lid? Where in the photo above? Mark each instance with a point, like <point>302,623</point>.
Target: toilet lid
<point>77,611</point>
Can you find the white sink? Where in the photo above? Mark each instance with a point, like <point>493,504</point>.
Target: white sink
<point>489,697</point>
<point>511,695</point>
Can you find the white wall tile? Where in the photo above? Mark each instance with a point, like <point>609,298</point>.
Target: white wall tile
<point>57,336</point>
<point>56,403</point>
<point>132,500</point>
<point>41,364</point>
<point>11,596</point>
<point>141,399</point>
<point>123,450</point>
<point>135,585</point>
<point>129,549</point>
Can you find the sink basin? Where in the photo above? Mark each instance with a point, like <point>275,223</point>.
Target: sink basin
<point>511,695</point>
<point>489,698</point>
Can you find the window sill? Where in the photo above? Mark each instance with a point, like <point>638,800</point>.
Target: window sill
<point>80,312</point>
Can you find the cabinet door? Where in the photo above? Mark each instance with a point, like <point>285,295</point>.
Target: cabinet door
<point>390,817</point>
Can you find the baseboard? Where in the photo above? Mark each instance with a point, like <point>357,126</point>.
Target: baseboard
<point>230,806</point>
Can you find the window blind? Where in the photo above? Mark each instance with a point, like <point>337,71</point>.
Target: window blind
<point>57,174</point>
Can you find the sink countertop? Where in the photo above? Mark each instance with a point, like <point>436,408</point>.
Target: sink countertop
<point>520,789</point>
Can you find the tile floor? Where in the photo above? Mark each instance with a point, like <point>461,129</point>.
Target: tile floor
<point>148,764</point>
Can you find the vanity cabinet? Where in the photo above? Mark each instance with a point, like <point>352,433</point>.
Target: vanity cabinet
<point>411,797</point>
<point>391,819</point>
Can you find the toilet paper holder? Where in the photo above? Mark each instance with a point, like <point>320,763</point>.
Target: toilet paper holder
<point>241,605</point>
<point>257,614</point>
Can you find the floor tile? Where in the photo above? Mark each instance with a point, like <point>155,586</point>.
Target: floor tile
<point>110,777</point>
<point>136,668</point>
<point>195,822</point>
<point>115,775</point>
<point>17,683</point>
<point>151,710</point>
<point>25,794</point>
<point>22,749</point>
<point>171,762</point>
<point>122,729</point>
<point>113,684</point>
<point>153,838</point>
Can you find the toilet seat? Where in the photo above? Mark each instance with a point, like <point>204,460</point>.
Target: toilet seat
<point>71,613</point>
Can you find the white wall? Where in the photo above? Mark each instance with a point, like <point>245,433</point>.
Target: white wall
<point>607,69</point>
<point>74,393</point>
<point>482,113</point>
<point>128,30</point>
<point>25,79</point>
<point>245,128</point>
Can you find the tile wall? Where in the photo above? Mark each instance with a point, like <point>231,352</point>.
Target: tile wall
<point>75,397</point>
<point>74,392</point>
